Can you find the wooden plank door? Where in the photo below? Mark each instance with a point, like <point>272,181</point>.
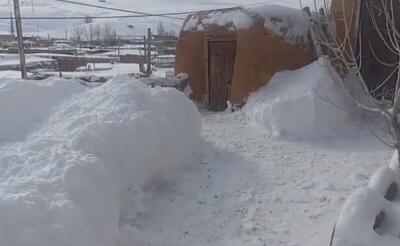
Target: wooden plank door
<point>221,60</point>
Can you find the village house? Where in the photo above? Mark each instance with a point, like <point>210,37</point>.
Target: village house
<point>230,53</point>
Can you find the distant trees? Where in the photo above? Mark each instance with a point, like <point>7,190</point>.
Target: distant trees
<point>109,35</point>
<point>77,33</point>
<point>162,30</point>
<point>94,33</point>
<point>97,32</point>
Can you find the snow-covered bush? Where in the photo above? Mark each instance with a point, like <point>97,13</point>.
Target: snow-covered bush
<point>295,104</point>
<point>77,179</point>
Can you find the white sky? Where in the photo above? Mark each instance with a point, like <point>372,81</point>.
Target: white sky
<point>58,27</point>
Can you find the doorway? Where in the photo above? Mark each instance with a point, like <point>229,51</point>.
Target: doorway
<point>221,61</point>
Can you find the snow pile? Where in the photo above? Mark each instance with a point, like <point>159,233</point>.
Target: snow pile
<point>25,105</point>
<point>285,22</point>
<point>371,216</point>
<point>296,104</point>
<point>78,179</point>
<point>288,23</point>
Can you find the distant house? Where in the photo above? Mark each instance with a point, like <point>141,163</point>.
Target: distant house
<point>230,53</point>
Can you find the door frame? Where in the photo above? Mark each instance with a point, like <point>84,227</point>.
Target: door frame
<point>207,40</point>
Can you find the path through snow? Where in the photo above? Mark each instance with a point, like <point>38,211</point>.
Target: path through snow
<point>248,188</point>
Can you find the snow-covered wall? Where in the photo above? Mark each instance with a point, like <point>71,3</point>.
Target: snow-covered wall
<point>77,179</point>
<point>288,23</point>
<point>295,105</point>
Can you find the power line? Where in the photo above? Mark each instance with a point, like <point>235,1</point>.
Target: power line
<point>75,17</point>
<point>118,9</point>
<point>170,14</point>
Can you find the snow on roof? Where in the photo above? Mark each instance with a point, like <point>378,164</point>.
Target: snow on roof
<point>288,23</point>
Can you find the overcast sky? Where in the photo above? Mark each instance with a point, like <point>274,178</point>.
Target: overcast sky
<point>57,27</point>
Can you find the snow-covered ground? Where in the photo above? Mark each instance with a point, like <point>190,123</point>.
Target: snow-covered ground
<point>13,60</point>
<point>124,164</point>
<point>248,188</point>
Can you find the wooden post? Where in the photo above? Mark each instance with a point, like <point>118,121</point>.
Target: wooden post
<point>20,39</point>
<point>148,70</point>
<point>119,49</point>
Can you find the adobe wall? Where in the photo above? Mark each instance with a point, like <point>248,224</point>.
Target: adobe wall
<point>259,55</point>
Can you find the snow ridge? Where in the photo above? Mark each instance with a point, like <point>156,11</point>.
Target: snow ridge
<point>77,179</point>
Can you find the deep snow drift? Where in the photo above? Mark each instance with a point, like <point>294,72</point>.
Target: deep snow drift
<point>371,215</point>
<point>303,104</point>
<point>77,180</point>
<point>25,105</point>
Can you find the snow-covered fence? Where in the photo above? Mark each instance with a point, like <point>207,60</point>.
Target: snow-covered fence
<point>371,215</point>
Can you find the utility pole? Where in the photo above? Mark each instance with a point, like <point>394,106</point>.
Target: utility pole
<point>119,48</point>
<point>21,50</point>
<point>148,70</point>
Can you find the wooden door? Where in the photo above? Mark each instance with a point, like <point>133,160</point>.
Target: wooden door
<point>221,60</point>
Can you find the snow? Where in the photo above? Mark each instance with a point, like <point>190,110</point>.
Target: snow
<point>12,59</point>
<point>369,217</point>
<point>288,23</point>
<point>11,74</point>
<point>79,177</point>
<point>295,104</point>
<point>25,105</point>
<point>247,188</point>
<point>125,164</point>
<point>238,19</point>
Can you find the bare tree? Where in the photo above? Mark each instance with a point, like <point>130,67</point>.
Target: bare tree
<point>161,28</point>
<point>91,33</point>
<point>109,35</point>
<point>97,32</point>
<point>77,33</point>
<point>344,51</point>
<point>171,32</point>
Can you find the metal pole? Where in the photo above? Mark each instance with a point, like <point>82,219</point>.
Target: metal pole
<point>21,50</point>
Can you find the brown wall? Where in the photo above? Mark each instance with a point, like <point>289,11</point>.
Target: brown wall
<point>70,64</point>
<point>132,59</point>
<point>346,13</point>
<point>259,55</point>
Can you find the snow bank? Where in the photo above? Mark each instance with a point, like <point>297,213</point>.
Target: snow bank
<point>356,223</point>
<point>291,105</point>
<point>371,215</point>
<point>25,105</point>
<point>288,23</point>
<point>78,179</point>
